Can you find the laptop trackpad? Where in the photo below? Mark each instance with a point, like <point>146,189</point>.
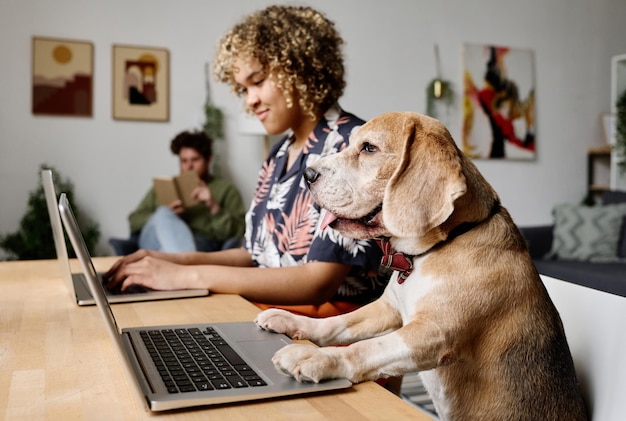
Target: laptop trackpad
<point>261,352</point>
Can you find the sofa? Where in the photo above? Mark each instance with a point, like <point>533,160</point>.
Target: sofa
<point>584,245</point>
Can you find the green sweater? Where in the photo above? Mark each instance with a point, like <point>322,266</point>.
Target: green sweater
<point>228,222</point>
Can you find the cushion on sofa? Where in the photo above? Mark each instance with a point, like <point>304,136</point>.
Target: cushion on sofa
<point>587,233</point>
<point>615,197</point>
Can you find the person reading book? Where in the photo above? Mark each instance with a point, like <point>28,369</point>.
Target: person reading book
<point>180,187</point>
<point>216,216</point>
<point>286,62</point>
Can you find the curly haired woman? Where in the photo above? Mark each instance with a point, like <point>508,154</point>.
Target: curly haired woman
<point>286,62</point>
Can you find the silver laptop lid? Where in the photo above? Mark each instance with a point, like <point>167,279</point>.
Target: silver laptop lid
<point>57,229</point>
<point>95,285</point>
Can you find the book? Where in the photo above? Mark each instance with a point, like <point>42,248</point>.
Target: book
<point>169,189</point>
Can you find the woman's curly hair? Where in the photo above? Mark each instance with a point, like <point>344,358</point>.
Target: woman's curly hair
<point>297,45</point>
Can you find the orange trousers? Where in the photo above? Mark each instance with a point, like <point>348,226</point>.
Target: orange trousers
<point>330,308</point>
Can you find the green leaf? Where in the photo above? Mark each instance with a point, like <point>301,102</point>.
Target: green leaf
<point>214,122</point>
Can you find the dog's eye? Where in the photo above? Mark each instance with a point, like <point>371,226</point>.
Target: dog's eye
<point>368,147</point>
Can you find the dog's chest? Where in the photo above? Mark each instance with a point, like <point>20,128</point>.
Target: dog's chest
<point>406,294</point>
<point>432,383</point>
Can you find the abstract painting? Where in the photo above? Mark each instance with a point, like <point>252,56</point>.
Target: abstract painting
<point>62,77</point>
<point>498,103</point>
<point>140,83</point>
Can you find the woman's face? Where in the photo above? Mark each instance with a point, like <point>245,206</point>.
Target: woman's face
<point>264,99</point>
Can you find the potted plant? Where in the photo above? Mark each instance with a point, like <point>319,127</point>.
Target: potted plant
<point>33,239</point>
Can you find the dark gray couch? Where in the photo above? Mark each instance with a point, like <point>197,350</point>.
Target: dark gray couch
<point>608,277</point>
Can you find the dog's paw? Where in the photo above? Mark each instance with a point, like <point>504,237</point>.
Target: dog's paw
<point>306,363</point>
<point>281,321</point>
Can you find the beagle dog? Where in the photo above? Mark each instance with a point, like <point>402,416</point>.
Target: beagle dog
<point>465,306</point>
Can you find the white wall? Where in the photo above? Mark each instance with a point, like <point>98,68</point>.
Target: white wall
<point>389,54</point>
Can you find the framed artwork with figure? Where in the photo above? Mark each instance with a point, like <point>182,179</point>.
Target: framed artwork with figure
<point>499,102</point>
<point>140,83</point>
<point>62,77</point>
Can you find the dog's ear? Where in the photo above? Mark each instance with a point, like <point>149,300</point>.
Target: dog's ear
<point>421,193</point>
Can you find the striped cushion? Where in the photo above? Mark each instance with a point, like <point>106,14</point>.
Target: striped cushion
<point>587,233</point>
<point>612,197</point>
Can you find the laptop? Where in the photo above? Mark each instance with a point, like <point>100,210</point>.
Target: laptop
<point>76,282</point>
<point>182,366</point>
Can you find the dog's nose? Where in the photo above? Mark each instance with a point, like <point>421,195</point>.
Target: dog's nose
<point>310,175</point>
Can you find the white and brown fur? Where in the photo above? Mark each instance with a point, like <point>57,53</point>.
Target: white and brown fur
<point>473,315</point>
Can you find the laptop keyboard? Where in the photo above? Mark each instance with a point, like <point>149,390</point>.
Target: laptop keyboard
<point>190,360</point>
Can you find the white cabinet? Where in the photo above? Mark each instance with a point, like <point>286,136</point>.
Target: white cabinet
<point>618,86</point>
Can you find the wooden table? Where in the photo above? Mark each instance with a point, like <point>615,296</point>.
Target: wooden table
<point>58,362</point>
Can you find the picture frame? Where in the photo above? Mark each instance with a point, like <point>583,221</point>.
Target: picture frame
<point>140,83</point>
<point>62,77</point>
<point>499,90</point>
<point>608,126</point>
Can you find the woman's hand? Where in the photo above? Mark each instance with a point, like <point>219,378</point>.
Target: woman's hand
<point>152,273</point>
<point>145,267</point>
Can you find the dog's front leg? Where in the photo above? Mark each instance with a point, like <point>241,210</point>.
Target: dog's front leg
<point>419,345</point>
<point>385,356</point>
<point>371,320</point>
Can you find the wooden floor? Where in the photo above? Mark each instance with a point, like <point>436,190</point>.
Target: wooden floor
<point>413,391</point>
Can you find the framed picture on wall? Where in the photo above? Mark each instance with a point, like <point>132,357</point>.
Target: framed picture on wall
<point>62,77</point>
<point>140,83</point>
<point>498,102</point>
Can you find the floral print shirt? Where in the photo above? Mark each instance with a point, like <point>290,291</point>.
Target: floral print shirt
<point>282,224</point>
